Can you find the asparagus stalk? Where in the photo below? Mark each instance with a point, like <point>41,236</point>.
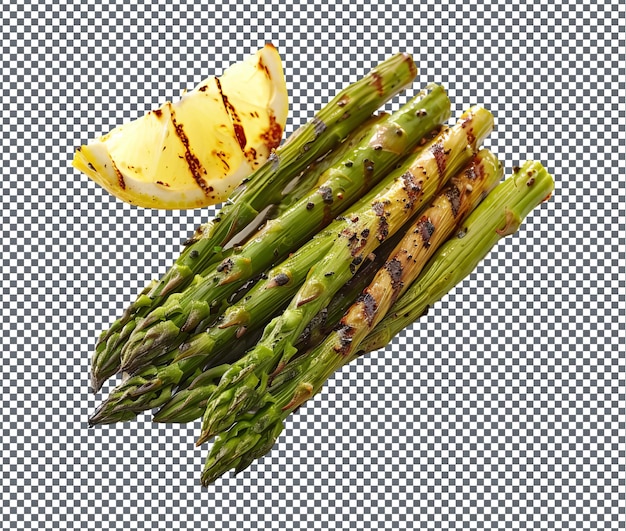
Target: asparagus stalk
<point>309,179</point>
<point>362,231</point>
<point>153,386</point>
<point>189,401</point>
<point>364,166</point>
<point>351,107</point>
<point>109,362</point>
<point>499,215</point>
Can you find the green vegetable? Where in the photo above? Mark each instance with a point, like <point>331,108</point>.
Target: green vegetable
<point>360,233</point>
<point>364,166</point>
<point>500,214</point>
<point>351,107</point>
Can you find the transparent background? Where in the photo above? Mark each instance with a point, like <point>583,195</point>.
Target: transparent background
<point>503,408</point>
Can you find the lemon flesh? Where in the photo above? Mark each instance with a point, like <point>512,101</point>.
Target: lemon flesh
<point>196,151</point>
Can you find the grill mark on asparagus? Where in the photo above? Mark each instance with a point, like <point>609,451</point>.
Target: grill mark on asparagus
<point>318,126</point>
<point>345,333</point>
<point>412,188</point>
<point>394,269</point>
<point>383,226</point>
<point>383,229</point>
<point>377,81</point>
<point>468,125</point>
<point>409,60</point>
<point>425,229</point>
<point>440,158</point>
<point>454,197</point>
<point>378,208</point>
<point>369,305</point>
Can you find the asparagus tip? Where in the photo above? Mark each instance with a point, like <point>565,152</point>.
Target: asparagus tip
<point>204,437</point>
<point>96,383</point>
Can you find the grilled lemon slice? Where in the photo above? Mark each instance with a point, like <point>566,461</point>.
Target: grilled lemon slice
<point>194,152</point>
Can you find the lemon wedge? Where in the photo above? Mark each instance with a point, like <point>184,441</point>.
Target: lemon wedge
<point>196,151</point>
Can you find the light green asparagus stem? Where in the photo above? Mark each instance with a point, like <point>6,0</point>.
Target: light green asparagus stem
<point>500,214</point>
<point>351,107</point>
<point>363,167</point>
<point>362,231</point>
<point>310,178</point>
<point>153,386</point>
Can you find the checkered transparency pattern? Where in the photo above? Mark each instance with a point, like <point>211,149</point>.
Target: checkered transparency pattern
<point>503,408</point>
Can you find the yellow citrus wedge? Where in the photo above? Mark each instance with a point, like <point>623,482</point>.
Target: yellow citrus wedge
<point>195,152</point>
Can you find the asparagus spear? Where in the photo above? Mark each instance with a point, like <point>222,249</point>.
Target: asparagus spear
<point>365,165</point>
<point>189,401</point>
<point>362,231</point>
<point>264,187</point>
<point>109,362</point>
<point>499,215</point>
<point>153,386</point>
<point>309,179</point>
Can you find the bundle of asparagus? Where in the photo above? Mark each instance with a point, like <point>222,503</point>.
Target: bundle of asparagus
<point>371,220</point>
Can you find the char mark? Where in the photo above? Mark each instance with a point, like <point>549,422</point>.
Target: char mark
<point>440,158</point>
<point>425,229</point>
<point>412,188</point>
<point>118,173</point>
<point>234,117</point>
<point>195,167</point>
<point>378,208</point>
<point>394,269</point>
<point>345,333</point>
<point>383,229</point>
<point>454,196</point>
<point>377,81</point>
<point>318,126</point>
<point>369,305</point>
